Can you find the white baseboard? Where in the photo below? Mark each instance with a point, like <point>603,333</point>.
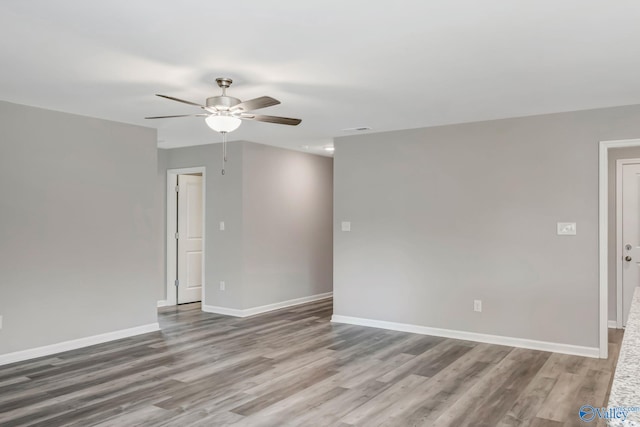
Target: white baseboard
<point>48,350</point>
<point>264,308</point>
<point>223,310</point>
<point>163,303</point>
<point>612,324</point>
<point>472,336</point>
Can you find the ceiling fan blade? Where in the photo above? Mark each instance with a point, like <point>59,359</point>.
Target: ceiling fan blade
<point>255,104</point>
<point>272,119</point>
<point>180,100</point>
<point>179,115</point>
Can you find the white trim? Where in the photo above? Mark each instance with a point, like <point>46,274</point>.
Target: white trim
<point>603,235</point>
<point>48,350</point>
<point>162,303</point>
<point>172,181</point>
<point>264,308</point>
<point>619,309</point>
<point>613,324</point>
<point>223,310</point>
<point>278,305</point>
<point>471,336</point>
<point>618,213</point>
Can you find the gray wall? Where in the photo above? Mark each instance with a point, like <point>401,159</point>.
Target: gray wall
<point>277,208</point>
<point>445,215</point>
<point>287,227</point>
<point>615,154</point>
<point>79,250</point>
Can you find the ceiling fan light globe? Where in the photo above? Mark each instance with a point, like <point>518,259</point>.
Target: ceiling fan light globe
<point>223,123</point>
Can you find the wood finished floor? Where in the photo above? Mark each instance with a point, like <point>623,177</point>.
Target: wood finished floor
<point>294,368</point>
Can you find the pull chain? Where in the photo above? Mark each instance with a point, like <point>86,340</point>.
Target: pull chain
<point>224,150</point>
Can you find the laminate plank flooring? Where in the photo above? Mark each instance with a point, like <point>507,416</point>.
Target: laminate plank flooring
<point>293,367</point>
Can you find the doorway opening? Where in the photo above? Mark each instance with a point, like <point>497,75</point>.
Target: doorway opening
<point>604,239</point>
<point>627,241</point>
<point>185,235</point>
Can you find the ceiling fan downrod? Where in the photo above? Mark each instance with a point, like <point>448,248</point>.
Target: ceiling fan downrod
<point>224,83</point>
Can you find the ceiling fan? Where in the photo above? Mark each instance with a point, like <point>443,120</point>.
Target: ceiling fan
<point>224,113</point>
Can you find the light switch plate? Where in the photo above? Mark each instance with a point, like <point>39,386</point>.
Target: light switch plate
<point>567,229</point>
<point>221,225</point>
<point>346,226</point>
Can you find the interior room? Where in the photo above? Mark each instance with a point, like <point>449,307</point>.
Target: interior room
<point>285,213</point>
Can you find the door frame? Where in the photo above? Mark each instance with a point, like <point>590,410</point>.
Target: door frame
<point>603,236</point>
<point>619,164</point>
<point>172,204</point>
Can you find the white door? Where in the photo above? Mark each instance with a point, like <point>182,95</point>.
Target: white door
<point>189,238</point>
<point>630,235</point>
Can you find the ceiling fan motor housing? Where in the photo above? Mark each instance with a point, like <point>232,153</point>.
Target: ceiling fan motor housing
<point>222,103</point>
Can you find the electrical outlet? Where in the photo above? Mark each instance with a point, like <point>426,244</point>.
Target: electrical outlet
<point>0,322</point>
<point>221,225</point>
<point>222,285</point>
<point>477,305</point>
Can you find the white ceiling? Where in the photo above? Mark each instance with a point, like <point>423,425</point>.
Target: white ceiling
<point>335,64</point>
